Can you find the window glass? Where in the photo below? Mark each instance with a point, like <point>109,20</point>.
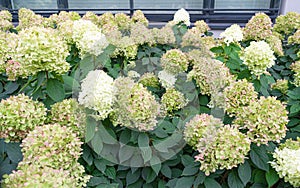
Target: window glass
<point>245,4</point>
<point>169,4</point>
<point>99,4</point>
<point>34,4</point>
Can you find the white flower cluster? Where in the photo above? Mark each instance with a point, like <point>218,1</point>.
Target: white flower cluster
<point>232,34</point>
<point>288,165</point>
<point>182,16</point>
<point>258,57</point>
<point>98,93</point>
<point>88,38</point>
<point>166,79</point>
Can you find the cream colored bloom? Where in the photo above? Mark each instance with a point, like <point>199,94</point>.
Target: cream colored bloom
<point>232,34</point>
<point>98,93</point>
<point>182,16</point>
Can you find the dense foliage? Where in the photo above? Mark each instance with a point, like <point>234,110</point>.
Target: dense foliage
<point>105,101</point>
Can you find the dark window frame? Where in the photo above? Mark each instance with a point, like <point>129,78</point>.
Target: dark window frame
<point>215,18</point>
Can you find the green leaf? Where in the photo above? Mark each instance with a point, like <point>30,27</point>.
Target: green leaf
<point>132,177</point>
<point>105,135</point>
<point>97,143</point>
<point>143,140</point>
<point>272,177</point>
<point>155,164</point>
<point>217,50</point>
<point>259,157</point>
<point>55,90</point>
<point>14,153</point>
<point>234,180</point>
<point>187,160</point>
<point>125,153</point>
<point>295,108</point>
<point>94,181</point>
<point>111,172</point>
<point>100,165</point>
<point>166,171</point>
<point>185,182</point>
<point>71,84</point>
<point>244,172</point>
<point>11,87</point>
<point>146,153</point>
<point>91,125</point>
<point>199,179</point>
<point>148,175</point>
<point>190,170</point>
<point>211,183</point>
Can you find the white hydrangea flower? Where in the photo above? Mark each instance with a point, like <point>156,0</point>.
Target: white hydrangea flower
<point>232,34</point>
<point>258,57</point>
<point>92,42</point>
<point>287,165</point>
<point>166,79</point>
<point>88,37</point>
<point>182,16</point>
<point>98,93</point>
<point>133,74</point>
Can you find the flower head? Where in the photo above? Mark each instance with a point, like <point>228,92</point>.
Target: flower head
<point>135,106</point>
<point>174,61</point>
<point>258,57</point>
<point>182,16</point>
<point>275,44</point>
<point>166,79</point>
<point>295,38</point>
<point>139,17</point>
<point>201,130</point>
<point>98,93</point>
<point>33,176</point>
<point>164,35</point>
<point>149,80</point>
<point>201,26</point>
<point>173,100</point>
<point>296,69</point>
<point>286,24</point>
<point>228,150</point>
<point>258,27</point>
<point>232,34</point>
<point>281,85</point>
<point>68,113</point>
<point>287,161</point>
<point>264,120</point>
<point>19,115</point>
<point>51,145</point>
<point>238,95</point>
<point>40,49</point>
<point>141,34</point>
<point>5,20</point>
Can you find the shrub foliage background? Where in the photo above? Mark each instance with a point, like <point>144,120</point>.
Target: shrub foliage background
<point>49,60</point>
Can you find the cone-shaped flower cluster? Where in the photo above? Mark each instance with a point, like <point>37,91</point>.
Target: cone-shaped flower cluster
<point>174,61</point>
<point>135,106</point>
<point>232,34</point>
<point>173,100</point>
<point>219,146</point>
<point>19,115</point>
<point>68,113</point>
<point>98,93</point>
<point>238,95</point>
<point>258,27</point>
<point>287,161</point>
<point>39,49</point>
<point>296,68</point>
<point>265,120</point>
<point>258,57</point>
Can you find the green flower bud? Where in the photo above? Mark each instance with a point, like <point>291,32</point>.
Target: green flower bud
<point>173,101</point>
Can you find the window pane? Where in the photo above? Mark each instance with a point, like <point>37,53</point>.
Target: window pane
<point>99,4</point>
<point>245,4</point>
<point>169,4</point>
<point>34,4</point>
